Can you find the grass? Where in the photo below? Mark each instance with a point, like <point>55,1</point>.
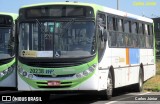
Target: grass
<point>153,84</point>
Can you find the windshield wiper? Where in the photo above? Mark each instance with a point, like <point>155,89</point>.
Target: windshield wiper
<point>41,27</point>
<point>68,24</point>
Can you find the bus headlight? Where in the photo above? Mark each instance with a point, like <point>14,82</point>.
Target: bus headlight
<point>5,71</point>
<point>10,69</point>
<point>78,75</point>
<point>91,69</point>
<point>87,72</point>
<point>24,73</point>
<point>20,70</point>
<point>1,74</point>
<point>30,76</point>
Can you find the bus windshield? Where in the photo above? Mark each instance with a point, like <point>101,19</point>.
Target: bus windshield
<point>69,39</point>
<point>6,43</point>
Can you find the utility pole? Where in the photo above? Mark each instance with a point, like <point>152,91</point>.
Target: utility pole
<point>117,4</point>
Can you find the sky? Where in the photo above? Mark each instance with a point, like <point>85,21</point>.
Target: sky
<point>147,8</point>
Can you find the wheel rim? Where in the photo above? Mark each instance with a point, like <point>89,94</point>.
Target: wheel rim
<point>140,81</point>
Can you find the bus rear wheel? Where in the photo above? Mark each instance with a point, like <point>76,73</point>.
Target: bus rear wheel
<point>107,94</point>
<point>139,85</point>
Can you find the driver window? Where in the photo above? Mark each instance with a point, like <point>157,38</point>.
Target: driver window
<point>101,28</point>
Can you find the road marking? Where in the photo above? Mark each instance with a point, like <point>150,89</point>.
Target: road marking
<point>111,102</point>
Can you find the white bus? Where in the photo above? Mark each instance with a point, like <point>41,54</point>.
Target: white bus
<point>70,46</point>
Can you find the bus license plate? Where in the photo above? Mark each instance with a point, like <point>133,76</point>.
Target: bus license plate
<point>54,83</point>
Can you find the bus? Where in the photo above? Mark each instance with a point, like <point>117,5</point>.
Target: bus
<point>81,47</point>
<point>7,50</point>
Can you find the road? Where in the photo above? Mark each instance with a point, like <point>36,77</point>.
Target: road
<point>120,97</point>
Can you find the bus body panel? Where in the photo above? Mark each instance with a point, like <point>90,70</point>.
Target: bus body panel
<point>95,82</point>
<point>22,85</point>
<point>123,73</point>
<point>147,59</point>
<point>9,81</point>
<point>128,73</point>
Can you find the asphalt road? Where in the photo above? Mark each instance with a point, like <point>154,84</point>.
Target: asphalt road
<point>121,96</point>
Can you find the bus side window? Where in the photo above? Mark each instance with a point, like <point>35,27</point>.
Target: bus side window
<point>112,27</point>
<point>120,35</point>
<point>134,29</point>
<point>140,29</point>
<point>145,29</point>
<point>150,36</point>
<point>120,25</point>
<point>114,24</point>
<point>142,38</point>
<point>127,31</point>
<point>127,26</point>
<point>110,23</point>
<point>101,27</point>
<point>146,35</point>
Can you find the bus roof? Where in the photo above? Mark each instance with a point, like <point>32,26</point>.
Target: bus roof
<point>125,14</point>
<point>59,3</point>
<point>14,15</point>
<point>96,7</point>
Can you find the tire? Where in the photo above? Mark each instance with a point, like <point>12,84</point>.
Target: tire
<point>139,85</point>
<point>107,94</point>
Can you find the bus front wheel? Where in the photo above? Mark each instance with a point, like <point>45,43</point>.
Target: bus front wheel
<point>107,94</point>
